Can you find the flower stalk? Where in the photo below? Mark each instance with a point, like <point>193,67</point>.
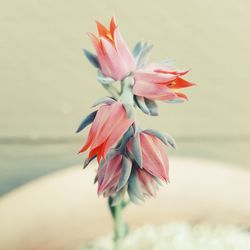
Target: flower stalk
<point>120,228</point>
<point>131,160</point>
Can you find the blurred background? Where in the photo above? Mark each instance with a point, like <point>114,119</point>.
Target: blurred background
<point>47,86</point>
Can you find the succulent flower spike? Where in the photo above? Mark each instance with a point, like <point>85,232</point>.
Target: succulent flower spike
<point>112,54</point>
<point>109,123</point>
<point>130,160</point>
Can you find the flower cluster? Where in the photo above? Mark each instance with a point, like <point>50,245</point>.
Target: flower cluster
<point>130,159</point>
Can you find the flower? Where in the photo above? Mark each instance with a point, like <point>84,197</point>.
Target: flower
<point>137,165</point>
<point>114,57</point>
<point>159,81</point>
<point>113,174</point>
<point>141,184</point>
<point>148,152</point>
<point>110,122</point>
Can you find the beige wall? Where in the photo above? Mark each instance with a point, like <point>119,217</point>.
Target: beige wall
<point>47,85</point>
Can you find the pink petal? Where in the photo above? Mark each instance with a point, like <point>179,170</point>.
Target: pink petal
<point>112,174</point>
<point>153,91</point>
<point>124,52</point>
<point>153,160</point>
<point>148,184</point>
<point>153,77</point>
<point>120,126</point>
<point>116,64</point>
<point>101,57</point>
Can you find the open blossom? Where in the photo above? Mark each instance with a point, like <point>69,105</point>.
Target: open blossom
<point>159,81</point>
<point>110,122</point>
<point>114,57</point>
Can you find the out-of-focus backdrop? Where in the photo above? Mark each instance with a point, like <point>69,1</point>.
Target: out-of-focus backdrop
<point>47,86</point>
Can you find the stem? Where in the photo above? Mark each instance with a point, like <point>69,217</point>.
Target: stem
<point>119,226</point>
<point>120,229</point>
<point>126,96</point>
<point>112,91</point>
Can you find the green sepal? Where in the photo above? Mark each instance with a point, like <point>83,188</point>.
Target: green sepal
<point>86,121</point>
<point>165,138</point>
<point>137,49</point>
<point>152,106</point>
<point>136,151</point>
<point>126,171</point>
<point>92,58</point>
<point>123,142</point>
<point>106,100</point>
<point>143,55</point>
<point>104,80</point>
<point>87,161</point>
<point>139,100</point>
<point>134,189</point>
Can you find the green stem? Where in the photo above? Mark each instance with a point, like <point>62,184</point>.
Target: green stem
<point>126,96</point>
<point>120,228</point>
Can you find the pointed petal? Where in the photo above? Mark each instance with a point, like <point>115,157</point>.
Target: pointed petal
<point>153,159</point>
<point>112,174</point>
<point>112,26</point>
<point>116,67</point>
<point>102,30</point>
<point>147,182</point>
<point>95,41</point>
<point>152,77</point>
<point>181,83</point>
<point>153,91</point>
<point>123,51</point>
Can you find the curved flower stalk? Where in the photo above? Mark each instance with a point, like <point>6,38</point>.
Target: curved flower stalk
<point>131,162</point>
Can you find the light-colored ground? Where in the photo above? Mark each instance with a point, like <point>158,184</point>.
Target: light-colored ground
<point>61,211</point>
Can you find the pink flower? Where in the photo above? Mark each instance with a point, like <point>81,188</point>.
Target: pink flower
<point>114,57</point>
<point>159,81</point>
<point>113,174</point>
<point>137,166</point>
<point>142,184</point>
<point>110,122</point>
<point>149,153</point>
